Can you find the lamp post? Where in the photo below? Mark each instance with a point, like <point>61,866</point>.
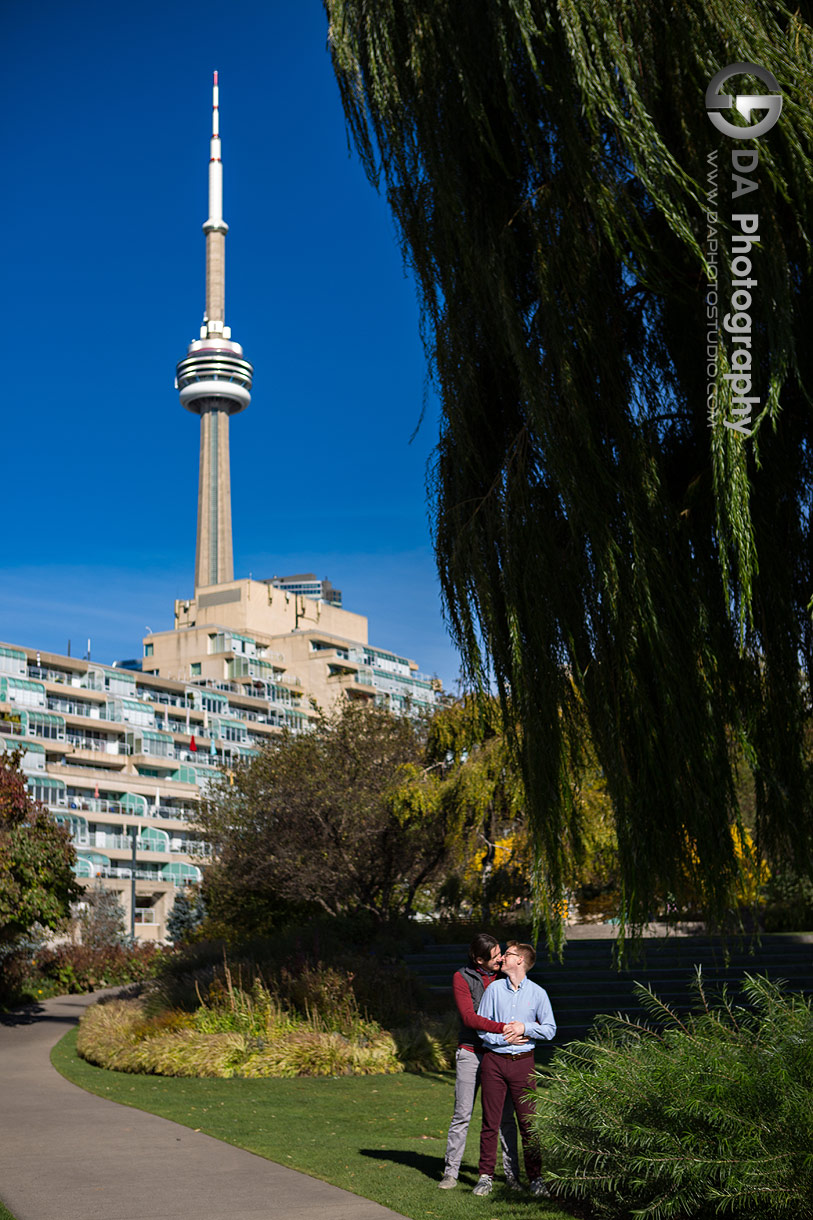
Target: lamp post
<point>134,834</point>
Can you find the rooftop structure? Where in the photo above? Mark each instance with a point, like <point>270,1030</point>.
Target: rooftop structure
<point>308,585</point>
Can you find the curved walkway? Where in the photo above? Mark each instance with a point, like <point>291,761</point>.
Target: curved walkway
<point>68,1155</point>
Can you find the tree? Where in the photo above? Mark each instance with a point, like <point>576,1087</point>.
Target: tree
<point>345,818</point>
<point>37,883</point>
<point>604,553</point>
<point>187,914</point>
<point>102,919</point>
<point>485,801</point>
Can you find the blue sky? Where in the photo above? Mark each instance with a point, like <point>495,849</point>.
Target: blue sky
<point>106,146</point>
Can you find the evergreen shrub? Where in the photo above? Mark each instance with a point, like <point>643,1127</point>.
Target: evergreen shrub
<point>704,1116</point>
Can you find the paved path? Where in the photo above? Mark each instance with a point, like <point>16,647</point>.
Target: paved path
<point>68,1155</point>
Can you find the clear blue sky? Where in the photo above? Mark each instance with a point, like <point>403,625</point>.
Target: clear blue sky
<point>107,120</point>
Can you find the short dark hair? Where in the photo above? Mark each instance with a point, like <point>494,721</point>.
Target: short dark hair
<point>481,947</point>
<point>528,952</point>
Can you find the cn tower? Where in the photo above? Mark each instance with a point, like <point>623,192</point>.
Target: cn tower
<point>214,382</point>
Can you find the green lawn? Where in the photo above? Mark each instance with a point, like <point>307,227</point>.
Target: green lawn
<point>5,1214</point>
<point>379,1136</point>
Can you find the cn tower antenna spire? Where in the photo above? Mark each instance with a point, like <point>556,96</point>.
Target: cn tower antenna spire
<point>214,381</point>
<point>215,227</point>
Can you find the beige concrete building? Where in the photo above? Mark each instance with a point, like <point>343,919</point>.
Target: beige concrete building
<point>250,632</point>
<point>116,754</point>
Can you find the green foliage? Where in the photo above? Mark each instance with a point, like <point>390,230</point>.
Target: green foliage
<point>101,921</point>
<point>368,814</point>
<point>344,819</point>
<point>274,1009</point>
<point>704,1116</point>
<point>788,902</point>
<point>187,914</point>
<point>81,968</point>
<point>603,551</point>
<point>246,1030</point>
<point>37,883</point>
<point>363,975</point>
<point>35,972</point>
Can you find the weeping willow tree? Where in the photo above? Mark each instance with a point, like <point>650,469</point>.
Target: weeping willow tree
<point>606,548</point>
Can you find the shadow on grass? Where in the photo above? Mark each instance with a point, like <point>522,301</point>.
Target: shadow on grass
<point>429,1166</point>
<point>432,1167</point>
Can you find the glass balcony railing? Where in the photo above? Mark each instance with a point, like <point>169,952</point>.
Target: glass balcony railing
<point>97,746</point>
<point>105,840</point>
<point>74,707</point>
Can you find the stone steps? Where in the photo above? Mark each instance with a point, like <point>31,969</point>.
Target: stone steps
<point>587,984</point>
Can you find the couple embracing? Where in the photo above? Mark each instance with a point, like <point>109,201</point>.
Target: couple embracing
<point>503,1015</point>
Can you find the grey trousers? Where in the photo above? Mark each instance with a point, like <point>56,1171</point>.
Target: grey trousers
<point>467,1082</point>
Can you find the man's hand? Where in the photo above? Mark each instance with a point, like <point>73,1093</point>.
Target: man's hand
<point>514,1033</point>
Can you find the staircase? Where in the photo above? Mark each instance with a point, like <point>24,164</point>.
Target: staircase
<point>586,982</point>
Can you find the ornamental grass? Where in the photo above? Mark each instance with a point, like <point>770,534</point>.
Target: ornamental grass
<point>120,1036</point>
<point>702,1116</point>
<point>249,1032</point>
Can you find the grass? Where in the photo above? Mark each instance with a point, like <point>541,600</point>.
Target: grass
<point>382,1137</point>
<point>5,1214</point>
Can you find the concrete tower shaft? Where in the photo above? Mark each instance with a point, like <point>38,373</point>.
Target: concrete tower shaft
<point>214,381</point>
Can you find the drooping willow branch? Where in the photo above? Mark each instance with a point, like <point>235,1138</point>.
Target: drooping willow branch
<point>620,564</point>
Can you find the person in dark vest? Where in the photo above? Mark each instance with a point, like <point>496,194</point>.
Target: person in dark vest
<point>468,985</point>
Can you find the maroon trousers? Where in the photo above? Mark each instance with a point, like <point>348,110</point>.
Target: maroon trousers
<point>500,1074</point>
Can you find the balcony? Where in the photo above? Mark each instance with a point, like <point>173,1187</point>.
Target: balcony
<point>105,841</point>
<point>73,707</point>
<point>95,745</point>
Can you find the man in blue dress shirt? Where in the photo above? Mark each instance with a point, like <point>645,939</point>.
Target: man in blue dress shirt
<point>507,1068</point>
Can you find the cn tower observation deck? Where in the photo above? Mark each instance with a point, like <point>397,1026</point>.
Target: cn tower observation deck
<point>214,381</point>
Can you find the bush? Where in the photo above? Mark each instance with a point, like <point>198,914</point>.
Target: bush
<point>101,922</point>
<point>233,1033</point>
<point>79,968</point>
<point>789,903</point>
<point>17,984</point>
<point>33,972</point>
<point>248,1028</point>
<point>310,968</point>
<point>707,1116</point>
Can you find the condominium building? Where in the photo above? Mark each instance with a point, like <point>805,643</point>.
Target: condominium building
<point>238,631</point>
<point>117,755</point>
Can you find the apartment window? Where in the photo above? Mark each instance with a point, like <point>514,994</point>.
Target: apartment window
<point>194,669</point>
<point>12,661</point>
<point>148,650</point>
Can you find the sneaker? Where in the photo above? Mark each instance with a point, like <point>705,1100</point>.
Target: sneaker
<point>447,1182</point>
<point>512,1183</point>
<point>539,1189</point>
<point>484,1186</point>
